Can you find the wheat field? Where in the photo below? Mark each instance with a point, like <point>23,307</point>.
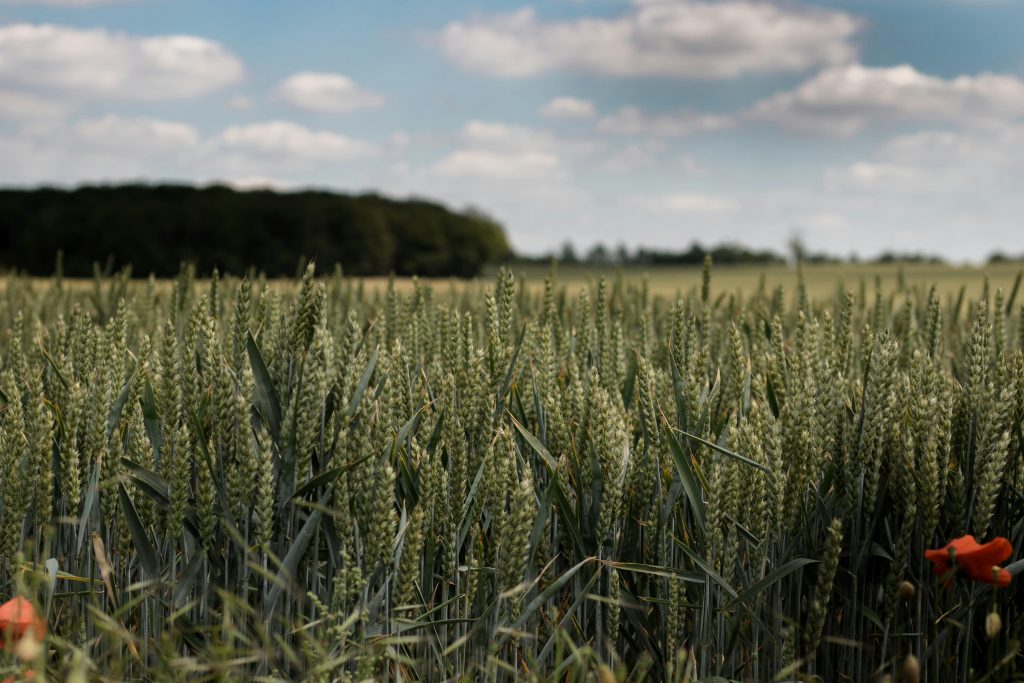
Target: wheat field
<point>557,477</point>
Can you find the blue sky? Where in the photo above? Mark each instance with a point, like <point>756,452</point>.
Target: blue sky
<point>862,126</point>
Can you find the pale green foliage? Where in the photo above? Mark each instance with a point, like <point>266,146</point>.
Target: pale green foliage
<point>315,480</point>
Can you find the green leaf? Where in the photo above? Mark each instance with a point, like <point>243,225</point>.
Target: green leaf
<point>118,407</point>
<point>53,364</point>
<point>546,594</point>
<point>87,504</point>
<point>581,597</point>
<point>688,480</point>
<point>290,564</point>
<point>731,454</point>
<point>265,397</point>
<point>536,445</point>
<point>364,382</point>
<point>770,580</point>
<point>327,477</point>
<point>706,568</point>
<point>499,402</point>
<point>155,486</point>
<point>143,546</point>
<point>187,578</point>
<point>656,570</point>
<point>151,420</point>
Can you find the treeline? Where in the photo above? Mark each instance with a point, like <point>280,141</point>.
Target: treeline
<point>602,255</point>
<point>727,253</point>
<point>157,227</point>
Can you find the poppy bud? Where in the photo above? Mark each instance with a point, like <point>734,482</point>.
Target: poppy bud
<point>28,648</point>
<point>993,625</point>
<point>911,669</point>
<point>907,590</point>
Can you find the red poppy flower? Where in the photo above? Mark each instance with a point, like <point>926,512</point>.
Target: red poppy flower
<point>17,617</point>
<point>979,562</point>
<point>27,676</point>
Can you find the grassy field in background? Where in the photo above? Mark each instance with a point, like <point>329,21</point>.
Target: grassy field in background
<point>822,280</point>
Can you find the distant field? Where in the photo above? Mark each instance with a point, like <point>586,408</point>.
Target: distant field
<point>822,280</point>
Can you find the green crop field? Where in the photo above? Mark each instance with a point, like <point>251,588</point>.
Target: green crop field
<point>821,281</point>
<point>688,475</point>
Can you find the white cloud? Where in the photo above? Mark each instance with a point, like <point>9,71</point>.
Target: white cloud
<point>400,139</point>
<point>240,103</point>
<point>521,175</point>
<point>491,133</point>
<point>492,151</point>
<point>107,148</point>
<point>326,92</point>
<point>979,163</point>
<point>689,203</point>
<point>118,134</point>
<point>634,157</point>
<point>877,175</point>
<point>999,147</point>
<point>568,108</point>
<point>20,106</point>
<point>94,64</point>
<point>842,101</point>
<point>671,38</point>
<point>282,144</point>
<point>497,136</point>
<point>631,121</point>
<point>118,148</point>
<point>492,165</point>
<point>688,165</point>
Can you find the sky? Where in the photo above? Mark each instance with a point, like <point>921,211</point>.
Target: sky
<point>859,126</point>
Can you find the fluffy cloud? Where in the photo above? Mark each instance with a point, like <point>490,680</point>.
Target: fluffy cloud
<point>20,106</point>
<point>326,92</point>
<point>491,165</point>
<point>689,203</point>
<point>568,108</point>
<point>506,137</point>
<point>118,134</point>
<point>107,148</point>
<point>842,101</point>
<point>1000,147</point>
<point>92,64</point>
<point>492,151</point>
<point>672,38</point>
<point>984,162</point>
<point>112,148</point>
<point>282,145</point>
<point>632,121</point>
<point>634,157</point>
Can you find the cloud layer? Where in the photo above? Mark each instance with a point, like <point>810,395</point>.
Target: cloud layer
<point>114,147</point>
<point>671,38</point>
<point>96,64</point>
<point>842,101</point>
<point>568,108</point>
<point>630,120</point>
<point>326,92</point>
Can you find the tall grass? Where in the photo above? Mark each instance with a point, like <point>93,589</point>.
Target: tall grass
<point>236,479</point>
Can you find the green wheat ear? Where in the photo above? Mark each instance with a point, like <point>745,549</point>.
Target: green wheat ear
<point>603,477</point>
